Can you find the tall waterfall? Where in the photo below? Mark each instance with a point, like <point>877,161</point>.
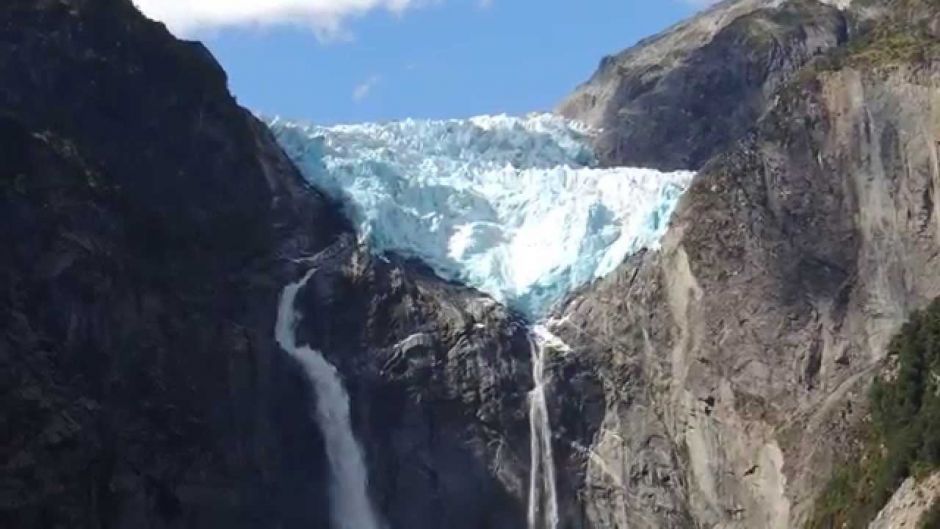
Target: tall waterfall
<point>517,207</point>
<point>543,497</point>
<point>349,498</point>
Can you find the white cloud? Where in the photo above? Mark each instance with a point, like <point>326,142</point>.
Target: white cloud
<point>363,89</point>
<point>326,17</point>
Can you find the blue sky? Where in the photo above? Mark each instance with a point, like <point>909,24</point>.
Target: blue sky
<point>331,61</point>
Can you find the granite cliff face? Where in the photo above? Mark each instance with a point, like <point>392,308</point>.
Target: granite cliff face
<point>439,377</point>
<point>909,504</point>
<point>679,98</point>
<point>735,362</point>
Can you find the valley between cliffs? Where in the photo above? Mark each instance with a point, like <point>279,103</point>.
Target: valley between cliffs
<point>149,225</point>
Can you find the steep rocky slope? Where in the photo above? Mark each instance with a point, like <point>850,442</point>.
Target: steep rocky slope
<point>735,361</point>
<point>142,216</point>
<point>148,225</point>
<point>909,504</point>
<point>439,376</point>
<point>675,100</point>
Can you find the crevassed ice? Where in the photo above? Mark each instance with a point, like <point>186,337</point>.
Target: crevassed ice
<point>512,206</point>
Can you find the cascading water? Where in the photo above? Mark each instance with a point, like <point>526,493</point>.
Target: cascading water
<point>515,207</point>
<point>543,496</point>
<point>349,498</point>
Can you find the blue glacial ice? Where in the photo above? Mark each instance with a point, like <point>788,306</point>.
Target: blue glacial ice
<point>515,207</point>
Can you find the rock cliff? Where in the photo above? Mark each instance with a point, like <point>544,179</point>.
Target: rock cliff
<point>439,377</point>
<point>735,361</point>
<point>675,100</point>
<point>143,214</point>
<point>909,504</point>
<point>148,225</point>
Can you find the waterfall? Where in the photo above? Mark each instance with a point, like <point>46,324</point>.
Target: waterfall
<point>349,498</point>
<point>543,501</point>
<point>519,208</point>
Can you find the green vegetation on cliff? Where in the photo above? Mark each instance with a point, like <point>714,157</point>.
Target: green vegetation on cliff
<point>907,35</point>
<point>903,436</point>
<point>891,43</point>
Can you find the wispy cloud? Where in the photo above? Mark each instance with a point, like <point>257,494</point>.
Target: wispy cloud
<point>325,17</point>
<point>363,89</point>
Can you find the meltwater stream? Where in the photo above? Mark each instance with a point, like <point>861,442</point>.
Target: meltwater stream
<point>515,207</point>
<point>349,496</point>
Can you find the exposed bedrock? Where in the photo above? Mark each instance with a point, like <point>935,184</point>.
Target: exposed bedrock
<point>149,225</point>
<point>735,361</point>
<point>675,100</point>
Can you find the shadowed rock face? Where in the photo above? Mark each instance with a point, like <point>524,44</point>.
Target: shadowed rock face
<point>909,504</point>
<point>148,226</point>
<point>676,100</point>
<point>143,214</point>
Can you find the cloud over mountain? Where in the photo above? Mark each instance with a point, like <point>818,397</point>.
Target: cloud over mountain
<point>326,17</point>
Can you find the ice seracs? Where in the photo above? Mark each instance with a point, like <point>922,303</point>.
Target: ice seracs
<point>515,207</point>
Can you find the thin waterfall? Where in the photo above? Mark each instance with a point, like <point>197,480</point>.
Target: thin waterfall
<point>543,500</point>
<point>349,497</point>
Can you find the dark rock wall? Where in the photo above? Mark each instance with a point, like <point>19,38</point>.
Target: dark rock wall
<point>440,376</point>
<point>148,226</point>
<point>143,217</point>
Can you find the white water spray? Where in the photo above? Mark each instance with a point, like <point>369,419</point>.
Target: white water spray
<point>349,498</point>
<point>518,208</point>
<point>543,498</point>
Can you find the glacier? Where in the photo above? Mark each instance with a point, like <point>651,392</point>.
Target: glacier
<point>516,207</point>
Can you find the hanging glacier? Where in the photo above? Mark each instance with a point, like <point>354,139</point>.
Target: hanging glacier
<point>514,206</point>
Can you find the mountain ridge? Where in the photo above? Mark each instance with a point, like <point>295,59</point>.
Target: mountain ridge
<point>713,383</point>
<point>745,347</point>
<point>149,225</point>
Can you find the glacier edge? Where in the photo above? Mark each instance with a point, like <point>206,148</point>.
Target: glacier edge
<point>513,206</point>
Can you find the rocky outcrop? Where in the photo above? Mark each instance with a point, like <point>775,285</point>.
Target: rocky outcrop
<point>677,99</point>
<point>735,360</point>
<point>909,504</point>
<point>439,376</point>
<point>148,225</point>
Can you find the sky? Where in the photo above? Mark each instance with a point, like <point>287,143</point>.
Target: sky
<point>350,61</point>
